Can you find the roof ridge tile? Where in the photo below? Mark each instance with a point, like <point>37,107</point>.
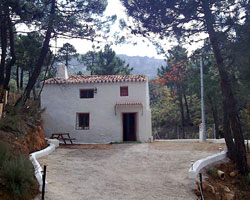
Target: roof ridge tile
<point>74,79</point>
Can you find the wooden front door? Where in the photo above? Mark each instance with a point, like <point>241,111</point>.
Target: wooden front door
<point>129,126</point>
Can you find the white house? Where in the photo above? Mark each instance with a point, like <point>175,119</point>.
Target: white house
<point>97,109</point>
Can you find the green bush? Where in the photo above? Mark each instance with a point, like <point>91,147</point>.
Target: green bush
<point>212,172</point>
<point>17,119</point>
<point>13,124</point>
<point>248,178</point>
<point>4,153</point>
<point>19,175</point>
<point>12,86</point>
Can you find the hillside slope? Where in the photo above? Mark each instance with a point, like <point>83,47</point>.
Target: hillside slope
<point>141,65</point>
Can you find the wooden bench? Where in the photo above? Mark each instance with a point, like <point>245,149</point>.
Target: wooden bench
<point>63,136</point>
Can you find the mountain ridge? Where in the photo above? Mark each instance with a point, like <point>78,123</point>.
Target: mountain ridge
<point>140,64</point>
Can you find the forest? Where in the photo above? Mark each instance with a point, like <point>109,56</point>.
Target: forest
<point>226,24</point>
<point>176,95</point>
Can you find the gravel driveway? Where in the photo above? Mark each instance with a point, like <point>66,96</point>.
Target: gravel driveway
<point>123,171</point>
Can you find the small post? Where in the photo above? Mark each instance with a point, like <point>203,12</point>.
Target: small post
<point>214,131</point>
<point>203,116</point>
<point>178,131</point>
<point>192,164</point>
<point>44,178</point>
<point>201,188</point>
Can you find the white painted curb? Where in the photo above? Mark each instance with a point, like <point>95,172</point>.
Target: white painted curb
<point>247,142</point>
<point>222,140</point>
<point>38,169</point>
<point>53,141</point>
<point>199,164</point>
<point>92,143</point>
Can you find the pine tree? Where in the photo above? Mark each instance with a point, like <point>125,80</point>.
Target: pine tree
<point>183,19</point>
<point>66,53</point>
<point>105,62</point>
<point>66,19</point>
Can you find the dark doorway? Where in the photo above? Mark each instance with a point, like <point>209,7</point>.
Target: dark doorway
<point>129,126</point>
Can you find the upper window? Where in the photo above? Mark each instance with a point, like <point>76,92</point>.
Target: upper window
<point>123,91</point>
<point>86,93</point>
<point>82,121</point>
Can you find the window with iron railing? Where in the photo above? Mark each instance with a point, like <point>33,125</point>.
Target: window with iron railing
<point>82,121</point>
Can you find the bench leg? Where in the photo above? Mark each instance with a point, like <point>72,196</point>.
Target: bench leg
<point>63,140</point>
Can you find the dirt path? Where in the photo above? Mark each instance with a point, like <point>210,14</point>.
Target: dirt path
<point>123,171</point>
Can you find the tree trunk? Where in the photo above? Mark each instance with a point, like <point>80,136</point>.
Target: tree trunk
<point>49,65</point>
<point>17,78</point>
<point>67,60</point>
<point>34,93</point>
<point>3,43</point>
<point>228,97</point>
<point>228,135</point>
<point>21,79</point>
<point>215,116</point>
<point>30,71</point>
<point>187,109</point>
<point>181,110</point>
<point>12,53</point>
<point>41,59</point>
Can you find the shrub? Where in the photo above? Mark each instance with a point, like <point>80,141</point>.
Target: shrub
<point>12,86</point>
<point>18,118</point>
<point>19,175</point>
<point>212,172</point>
<point>4,153</point>
<point>13,124</point>
<point>248,178</point>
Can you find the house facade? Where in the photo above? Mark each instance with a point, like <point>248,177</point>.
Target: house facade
<point>97,109</point>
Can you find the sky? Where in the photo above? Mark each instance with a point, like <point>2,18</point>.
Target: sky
<point>141,49</point>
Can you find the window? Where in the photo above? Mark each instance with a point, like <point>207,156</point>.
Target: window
<point>87,93</point>
<point>82,121</point>
<point>124,91</point>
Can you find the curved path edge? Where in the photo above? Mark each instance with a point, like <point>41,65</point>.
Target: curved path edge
<point>38,169</point>
<point>200,164</point>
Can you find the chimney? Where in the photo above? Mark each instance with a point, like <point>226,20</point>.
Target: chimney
<point>62,71</point>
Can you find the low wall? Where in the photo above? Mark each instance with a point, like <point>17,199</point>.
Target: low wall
<point>38,169</point>
<point>191,140</point>
<point>199,164</point>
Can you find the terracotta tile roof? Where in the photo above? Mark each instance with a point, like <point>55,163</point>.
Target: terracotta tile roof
<point>128,103</point>
<point>97,79</point>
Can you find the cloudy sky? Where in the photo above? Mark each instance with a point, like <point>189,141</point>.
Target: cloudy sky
<point>141,49</point>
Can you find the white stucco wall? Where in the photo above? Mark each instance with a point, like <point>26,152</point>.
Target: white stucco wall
<point>62,102</point>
